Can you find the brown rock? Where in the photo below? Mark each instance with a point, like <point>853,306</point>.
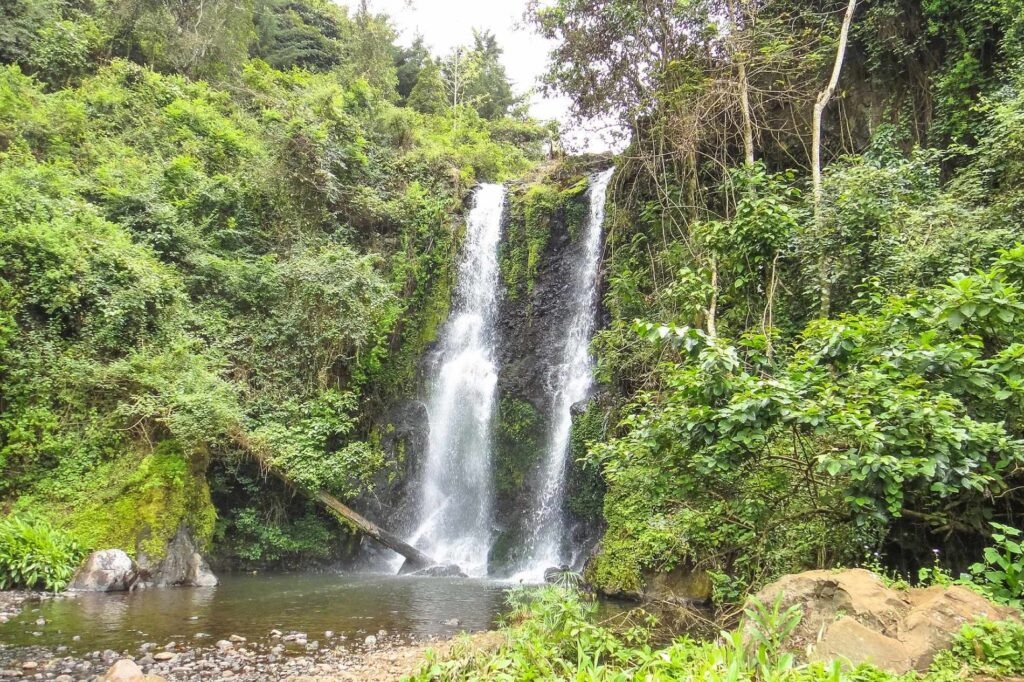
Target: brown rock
<point>936,616</point>
<point>852,616</point>
<point>680,586</point>
<point>849,641</point>
<point>127,671</point>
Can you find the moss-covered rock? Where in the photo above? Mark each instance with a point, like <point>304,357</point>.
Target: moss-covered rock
<point>138,501</point>
<point>536,210</point>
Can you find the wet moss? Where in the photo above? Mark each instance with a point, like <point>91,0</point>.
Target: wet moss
<point>586,488</point>
<point>138,503</point>
<point>519,443</point>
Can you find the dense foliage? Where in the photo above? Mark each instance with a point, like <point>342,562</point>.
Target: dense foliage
<point>223,233</point>
<point>34,555</point>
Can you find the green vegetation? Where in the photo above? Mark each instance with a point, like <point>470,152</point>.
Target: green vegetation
<point>553,634</point>
<point>807,363</point>
<point>34,555</point>
<point>222,227</point>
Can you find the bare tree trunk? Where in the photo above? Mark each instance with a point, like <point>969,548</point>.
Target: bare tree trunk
<point>744,87</point>
<point>713,304</point>
<point>748,125</point>
<point>824,265</point>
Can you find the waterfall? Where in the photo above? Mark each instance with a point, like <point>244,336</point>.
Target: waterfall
<point>572,379</point>
<point>456,491</point>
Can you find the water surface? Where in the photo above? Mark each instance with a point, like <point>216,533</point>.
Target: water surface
<point>253,605</point>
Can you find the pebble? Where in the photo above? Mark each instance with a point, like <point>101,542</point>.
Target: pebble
<point>29,665</point>
<point>370,641</point>
<point>224,645</point>
<point>328,634</point>
<point>40,622</point>
<point>275,633</point>
<point>164,656</point>
<point>237,639</point>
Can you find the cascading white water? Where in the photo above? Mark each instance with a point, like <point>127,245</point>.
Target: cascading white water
<point>572,380</point>
<point>456,492</point>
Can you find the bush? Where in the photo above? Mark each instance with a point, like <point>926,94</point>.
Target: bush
<point>34,555</point>
<point>986,647</point>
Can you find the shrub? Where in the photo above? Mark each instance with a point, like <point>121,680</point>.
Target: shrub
<point>34,554</point>
<point>986,647</point>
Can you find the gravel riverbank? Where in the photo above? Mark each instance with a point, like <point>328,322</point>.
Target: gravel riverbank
<point>298,656</point>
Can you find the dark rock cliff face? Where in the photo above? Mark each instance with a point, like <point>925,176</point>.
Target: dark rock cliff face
<point>539,247</point>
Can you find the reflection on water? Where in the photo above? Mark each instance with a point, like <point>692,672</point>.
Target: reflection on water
<point>252,606</point>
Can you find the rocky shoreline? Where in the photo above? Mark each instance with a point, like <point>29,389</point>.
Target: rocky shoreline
<point>379,658</point>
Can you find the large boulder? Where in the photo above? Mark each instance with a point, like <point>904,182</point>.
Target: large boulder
<point>853,616</point>
<point>108,570</point>
<point>181,565</point>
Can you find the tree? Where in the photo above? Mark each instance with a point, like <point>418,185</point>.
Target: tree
<point>304,34</point>
<point>374,52</point>
<point>428,96</point>
<point>458,70</point>
<point>409,63</point>
<point>489,91</point>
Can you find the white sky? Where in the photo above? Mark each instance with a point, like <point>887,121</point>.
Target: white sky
<point>447,23</point>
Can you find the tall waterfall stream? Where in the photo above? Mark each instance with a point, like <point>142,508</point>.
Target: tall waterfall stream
<point>456,494</point>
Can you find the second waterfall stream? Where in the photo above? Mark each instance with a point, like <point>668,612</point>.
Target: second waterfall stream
<point>571,381</point>
<point>455,511</point>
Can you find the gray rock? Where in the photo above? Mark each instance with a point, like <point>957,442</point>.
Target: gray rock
<point>108,570</point>
<point>441,571</point>
<point>182,565</point>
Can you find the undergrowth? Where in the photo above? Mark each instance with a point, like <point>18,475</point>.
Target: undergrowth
<point>35,555</point>
<point>552,633</point>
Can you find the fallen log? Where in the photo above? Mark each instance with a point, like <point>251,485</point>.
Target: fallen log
<point>414,557</point>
